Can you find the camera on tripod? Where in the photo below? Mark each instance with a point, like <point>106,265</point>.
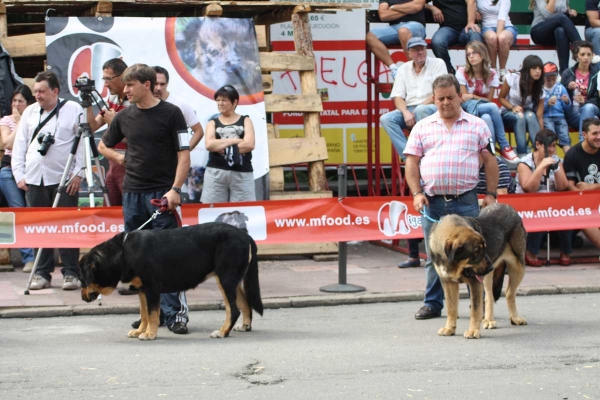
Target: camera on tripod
<point>45,140</point>
<point>85,86</point>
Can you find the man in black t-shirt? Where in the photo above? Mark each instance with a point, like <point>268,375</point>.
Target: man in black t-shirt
<point>582,163</point>
<point>457,25</point>
<point>592,25</point>
<point>406,19</point>
<point>156,165</point>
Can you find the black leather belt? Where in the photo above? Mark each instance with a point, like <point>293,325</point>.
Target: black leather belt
<point>451,197</point>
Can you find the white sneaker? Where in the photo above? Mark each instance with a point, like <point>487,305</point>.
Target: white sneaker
<point>70,283</point>
<point>394,70</point>
<point>28,267</point>
<point>39,282</point>
<point>595,59</point>
<point>501,74</point>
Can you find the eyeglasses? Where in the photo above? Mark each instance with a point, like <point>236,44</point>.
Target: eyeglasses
<point>110,78</point>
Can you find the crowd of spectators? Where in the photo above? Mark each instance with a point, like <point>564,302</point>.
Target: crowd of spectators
<point>540,98</point>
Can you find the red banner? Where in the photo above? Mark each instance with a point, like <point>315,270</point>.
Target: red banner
<point>289,221</point>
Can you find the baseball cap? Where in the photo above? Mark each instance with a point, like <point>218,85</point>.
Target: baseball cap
<point>416,41</point>
<point>550,69</point>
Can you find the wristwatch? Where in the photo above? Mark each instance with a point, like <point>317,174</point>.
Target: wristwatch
<point>494,194</point>
<point>175,188</point>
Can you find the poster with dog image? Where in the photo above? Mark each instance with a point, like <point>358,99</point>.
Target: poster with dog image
<point>200,54</point>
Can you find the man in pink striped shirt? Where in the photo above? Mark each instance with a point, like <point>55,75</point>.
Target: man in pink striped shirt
<point>442,167</point>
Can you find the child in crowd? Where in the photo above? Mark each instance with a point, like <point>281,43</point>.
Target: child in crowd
<point>556,106</point>
<point>522,102</point>
<point>478,82</point>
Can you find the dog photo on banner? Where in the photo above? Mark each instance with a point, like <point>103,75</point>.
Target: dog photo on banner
<point>193,51</point>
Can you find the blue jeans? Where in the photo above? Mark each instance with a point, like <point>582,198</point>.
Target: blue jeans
<point>490,113</point>
<point>466,206</point>
<point>572,117</point>
<point>588,110</point>
<point>534,241</point>
<point>593,35</point>
<point>521,125</point>
<point>393,123</point>
<point>559,31</point>
<point>137,210</point>
<point>389,34</point>
<point>15,197</point>
<point>446,36</point>
<point>559,126</point>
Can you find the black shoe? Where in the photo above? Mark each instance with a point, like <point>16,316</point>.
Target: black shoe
<point>136,324</point>
<point>128,291</point>
<point>427,313</point>
<point>410,263</point>
<point>179,327</point>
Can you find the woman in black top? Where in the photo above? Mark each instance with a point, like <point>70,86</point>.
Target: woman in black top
<point>230,141</point>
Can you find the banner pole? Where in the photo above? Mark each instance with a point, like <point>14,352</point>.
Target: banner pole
<point>342,286</point>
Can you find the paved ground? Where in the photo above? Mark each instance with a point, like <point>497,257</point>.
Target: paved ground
<point>293,282</point>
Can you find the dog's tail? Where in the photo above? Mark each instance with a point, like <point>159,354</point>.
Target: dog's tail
<point>251,285</point>
<point>498,281</point>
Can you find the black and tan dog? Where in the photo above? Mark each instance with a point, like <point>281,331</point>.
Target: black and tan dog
<point>467,250</point>
<point>165,261</point>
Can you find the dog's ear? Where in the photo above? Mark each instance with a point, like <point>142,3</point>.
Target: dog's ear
<point>450,249</point>
<point>478,252</point>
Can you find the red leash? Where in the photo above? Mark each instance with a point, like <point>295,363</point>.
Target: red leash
<point>163,207</point>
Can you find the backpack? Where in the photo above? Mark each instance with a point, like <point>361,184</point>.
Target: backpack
<point>9,80</point>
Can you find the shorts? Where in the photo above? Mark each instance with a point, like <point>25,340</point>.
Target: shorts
<point>511,29</point>
<point>389,34</point>
<point>224,186</point>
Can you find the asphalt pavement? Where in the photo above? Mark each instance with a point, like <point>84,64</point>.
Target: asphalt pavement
<point>293,282</point>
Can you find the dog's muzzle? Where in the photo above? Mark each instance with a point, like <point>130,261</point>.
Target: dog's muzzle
<point>87,296</point>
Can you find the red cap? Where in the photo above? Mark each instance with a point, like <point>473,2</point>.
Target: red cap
<point>550,69</point>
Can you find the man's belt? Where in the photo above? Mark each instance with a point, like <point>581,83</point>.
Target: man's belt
<point>451,197</point>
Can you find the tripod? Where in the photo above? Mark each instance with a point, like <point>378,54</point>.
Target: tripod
<point>90,152</point>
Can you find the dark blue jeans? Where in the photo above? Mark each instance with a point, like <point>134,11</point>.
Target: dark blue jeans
<point>467,206</point>
<point>137,209</point>
<point>43,196</point>
<point>534,241</point>
<point>15,197</point>
<point>446,36</point>
<point>559,31</point>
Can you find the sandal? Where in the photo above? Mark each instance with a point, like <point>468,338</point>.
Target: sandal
<point>564,260</point>
<point>533,261</point>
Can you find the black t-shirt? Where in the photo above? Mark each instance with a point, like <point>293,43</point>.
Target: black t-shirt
<point>455,13</point>
<point>591,5</point>
<point>581,166</point>
<point>235,130</point>
<point>152,145</point>
<point>418,17</point>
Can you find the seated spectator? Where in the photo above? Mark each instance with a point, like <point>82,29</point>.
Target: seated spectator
<point>506,184</point>
<point>230,140</point>
<point>556,106</point>
<point>592,24</point>
<point>15,197</point>
<point>582,164</point>
<point>406,20</point>
<point>477,85</point>
<point>412,93</point>
<point>577,80</point>
<point>552,26</point>
<point>522,109</point>
<point>497,31</point>
<point>457,19</point>
<point>541,172</point>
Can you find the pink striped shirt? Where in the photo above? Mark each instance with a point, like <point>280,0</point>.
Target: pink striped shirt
<point>12,125</point>
<point>449,160</point>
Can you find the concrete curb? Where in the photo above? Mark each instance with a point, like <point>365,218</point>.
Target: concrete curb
<point>277,302</point>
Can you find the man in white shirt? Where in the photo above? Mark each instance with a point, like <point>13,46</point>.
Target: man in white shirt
<point>412,93</point>
<point>191,119</point>
<point>40,152</point>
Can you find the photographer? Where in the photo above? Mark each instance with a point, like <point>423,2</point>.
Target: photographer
<point>41,149</point>
<point>542,172</point>
<point>116,101</point>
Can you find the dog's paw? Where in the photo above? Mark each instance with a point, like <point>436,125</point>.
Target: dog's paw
<point>487,324</point>
<point>134,333</point>
<point>475,334</point>
<point>518,321</point>
<point>147,336</point>
<point>446,331</point>
<point>217,334</point>
<point>243,327</point>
